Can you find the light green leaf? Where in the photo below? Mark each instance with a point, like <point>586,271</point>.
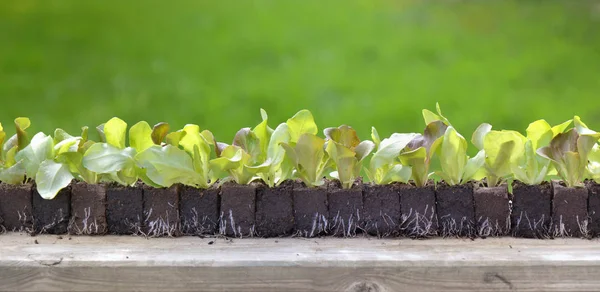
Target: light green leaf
<point>389,149</point>
<point>453,156</point>
<point>539,133</point>
<point>37,151</point>
<point>67,145</point>
<point>474,164</point>
<point>174,138</point>
<point>115,130</point>
<point>14,174</point>
<point>375,137</point>
<point>168,165</point>
<point>343,135</point>
<point>301,123</point>
<point>140,136</point>
<point>479,135</point>
<point>417,160</point>
<point>560,128</point>
<point>397,173</point>
<point>363,149</point>
<point>105,158</point>
<point>51,178</point>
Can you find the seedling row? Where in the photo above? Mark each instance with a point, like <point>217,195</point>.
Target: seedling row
<point>290,181</point>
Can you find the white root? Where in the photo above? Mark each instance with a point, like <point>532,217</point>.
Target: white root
<point>419,224</point>
<point>488,228</point>
<point>224,221</point>
<point>345,227</point>
<point>538,226</point>
<point>159,226</point>
<point>88,227</point>
<point>196,225</point>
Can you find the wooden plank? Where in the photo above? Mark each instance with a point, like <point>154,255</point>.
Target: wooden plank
<point>115,263</point>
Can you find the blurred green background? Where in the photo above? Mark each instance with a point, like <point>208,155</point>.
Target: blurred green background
<point>69,63</point>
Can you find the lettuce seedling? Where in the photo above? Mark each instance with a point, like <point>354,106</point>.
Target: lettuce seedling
<point>111,159</point>
<point>420,150</point>
<point>11,170</point>
<point>500,148</point>
<point>457,167</point>
<point>385,166</point>
<point>259,152</point>
<point>347,152</point>
<point>569,152</point>
<point>55,162</point>
<point>185,158</point>
<point>309,158</point>
<point>528,166</point>
<point>593,167</point>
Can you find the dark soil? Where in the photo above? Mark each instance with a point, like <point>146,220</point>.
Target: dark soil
<point>455,209</point>
<point>310,211</point>
<point>345,209</point>
<point>381,209</point>
<point>417,211</point>
<point>274,210</point>
<point>16,208</point>
<point>531,210</point>
<point>569,211</point>
<point>238,209</point>
<point>52,216</point>
<point>161,211</point>
<point>199,210</point>
<point>88,209</point>
<point>492,211</point>
<point>593,208</point>
<point>124,209</point>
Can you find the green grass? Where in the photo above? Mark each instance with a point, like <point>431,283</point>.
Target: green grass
<point>364,63</point>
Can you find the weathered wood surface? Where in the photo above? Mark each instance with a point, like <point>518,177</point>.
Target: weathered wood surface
<point>111,263</point>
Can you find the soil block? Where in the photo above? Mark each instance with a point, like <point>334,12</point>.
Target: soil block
<point>16,208</point>
<point>455,210</point>
<point>88,209</point>
<point>52,216</point>
<point>381,209</point>
<point>199,210</point>
<point>124,209</point>
<point>593,208</point>
<point>345,209</point>
<point>274,210</point>
<point>238,208</point>
<point>492,211</point>
<point>569,211</point>
<point>161,211</point>
<point>417,210</point>
<point>310,210</point>
<point>531,210</point>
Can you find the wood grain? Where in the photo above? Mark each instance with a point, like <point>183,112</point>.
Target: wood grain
<point>118,263</point>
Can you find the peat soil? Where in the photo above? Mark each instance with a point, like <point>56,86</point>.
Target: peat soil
<point>199,210</point>
<point>492,211</point>
<point>531,214</point>
<point>88,209</point>
<point>124,209</point>
<point>310,211</point>
<point>52,216</point>
<point>345,209</point>
<point>16,208</point>
<point>238,210</point>
<point>417,211</point>
<point>381,209</point>
<point>455,209</point>
<point>569,211</point>
<point>593,208</point>
<point>161,211</point>
<point>275,210</point>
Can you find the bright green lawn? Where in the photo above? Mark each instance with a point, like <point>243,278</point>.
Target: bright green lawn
<point>215,63</point>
